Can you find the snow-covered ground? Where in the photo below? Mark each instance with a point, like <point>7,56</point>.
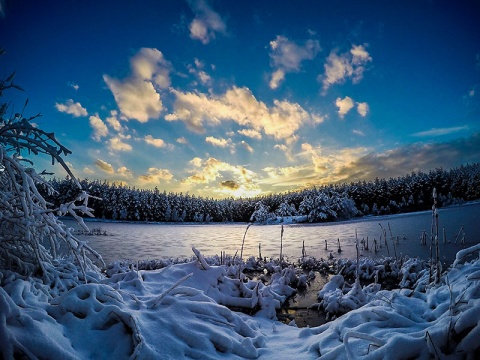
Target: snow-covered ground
<point>184,311</point>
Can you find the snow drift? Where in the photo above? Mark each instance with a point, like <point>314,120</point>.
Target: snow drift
<point>185,311</point>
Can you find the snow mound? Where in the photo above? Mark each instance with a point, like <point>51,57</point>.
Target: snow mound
<point>184,311</point>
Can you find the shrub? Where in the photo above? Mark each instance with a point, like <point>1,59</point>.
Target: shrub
<point>32,239</point>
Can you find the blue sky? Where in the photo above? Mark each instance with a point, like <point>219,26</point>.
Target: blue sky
<point>240,98</point>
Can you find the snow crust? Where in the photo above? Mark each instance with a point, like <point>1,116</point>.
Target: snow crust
<point>186,311</point>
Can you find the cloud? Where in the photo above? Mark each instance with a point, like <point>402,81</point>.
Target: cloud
<point>87,170</point>
<point>362,108</point>
<point>136,99</point>
<point>137,96</point>
<point>358,132</point>
<point>315,166</point>
<point>104,166</point>
<point>149,64</point>
<point>242,181</point>
<point>322,166</point>
<point>217,142</point>
<point>280,121</point>
<point>230,184</point>
<point>282,147</point>
<point>350,65</point>
<point>440,131</point>
<point>72,108</point>
<point>287,56</point>
<point>149,139</point>
<point>277,77</point>
<point>73,85</point>
<point>254,134</point>
<point>116,144</point>
<point>415,157</point>
<point>207,23</point>
<point>344,106</point>
<point>182,140</point>
<point>99,128</point>
<point>115,123</point>
<point>123,171</point>
<point>155,176</point>
<point>196,162</point>
<point>246,146</point>
<point>204,78</point>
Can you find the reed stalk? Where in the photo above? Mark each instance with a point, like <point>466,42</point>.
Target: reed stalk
<point>243,242</point>
<point>393,241</point>
<point>281,249</point>
<point>437,248</point>
<point>384,233</point>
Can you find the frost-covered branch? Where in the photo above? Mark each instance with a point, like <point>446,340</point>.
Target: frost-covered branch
<point>32,239</point>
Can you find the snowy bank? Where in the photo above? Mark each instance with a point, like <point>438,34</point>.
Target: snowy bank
<point>185,311</point>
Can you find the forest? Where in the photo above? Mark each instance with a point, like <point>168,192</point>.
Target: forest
<point>412,192</point>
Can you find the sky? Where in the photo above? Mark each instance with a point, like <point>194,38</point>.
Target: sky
<point>246,98</point>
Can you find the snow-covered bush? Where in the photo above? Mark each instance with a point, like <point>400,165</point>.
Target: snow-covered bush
<point>32,239</point>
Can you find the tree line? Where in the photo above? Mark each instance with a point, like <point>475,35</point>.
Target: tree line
<point>412,192</point>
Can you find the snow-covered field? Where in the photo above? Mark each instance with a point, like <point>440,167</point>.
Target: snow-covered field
<point>184,311</point>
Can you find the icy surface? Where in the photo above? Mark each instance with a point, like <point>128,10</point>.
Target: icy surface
<point>186,311</point>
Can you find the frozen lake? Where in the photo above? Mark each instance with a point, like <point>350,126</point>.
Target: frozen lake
<point>140,241</point>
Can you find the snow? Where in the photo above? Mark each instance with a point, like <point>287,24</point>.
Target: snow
<point>186,311</point>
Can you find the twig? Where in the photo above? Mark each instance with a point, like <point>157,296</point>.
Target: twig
<point>162,296</point>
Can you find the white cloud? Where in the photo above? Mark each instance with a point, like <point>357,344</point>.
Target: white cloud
<point>196,162</point>
<point>287,56</point>
<point>149,139</point>
<point>136,99</point>
<point>204,78</point>
<point>254,134</point>
<point>73,85</point>
<point>87,170</point>
<point>344,105</point>
<point>220,142</point>
<point>182,140</point>
<point>137,96</point>
<point>150,64</point>
<point>246,146</point>
<point>207,23</point>
<point>277,77</point>
<point>358,132</point>
<point>123,171</point>
<point>115,123</point>
<point>339,68</point>
<point>99,128</point>
<point>280,121</point>
<point>440,131</point>
<point>116,144</point>
<point>155,176</point>
<point>362,108</point>
<point>72,108</point>
<point>104,166</point>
